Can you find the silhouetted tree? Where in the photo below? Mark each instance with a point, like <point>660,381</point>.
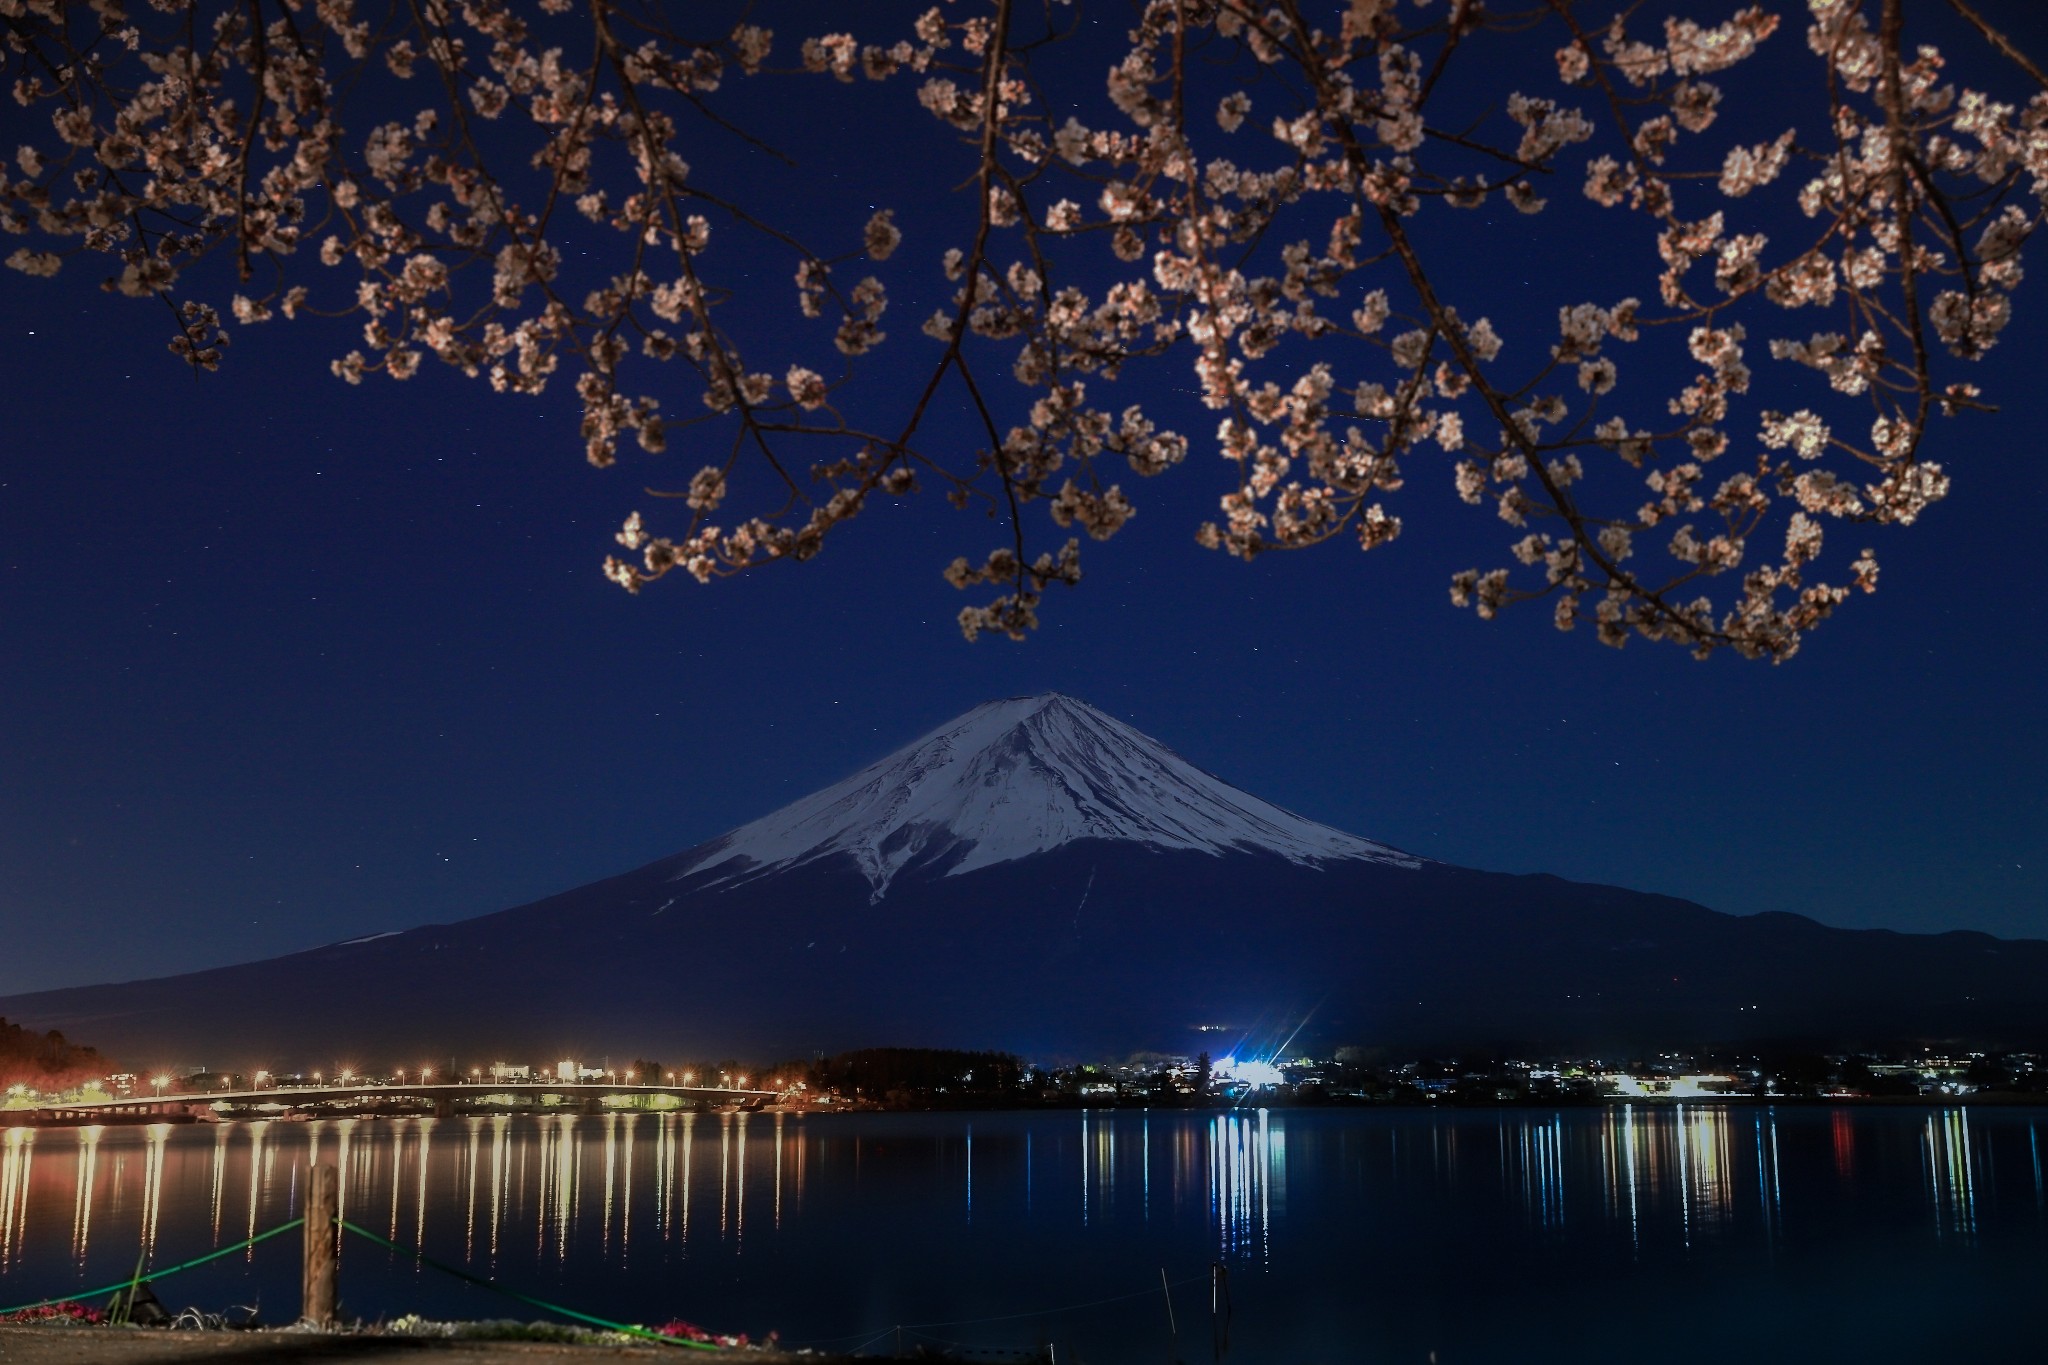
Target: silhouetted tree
<point>46,1061</point>
<point>918,1072</point>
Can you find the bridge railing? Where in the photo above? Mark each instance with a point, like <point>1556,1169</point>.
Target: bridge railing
<point>430,1090</point>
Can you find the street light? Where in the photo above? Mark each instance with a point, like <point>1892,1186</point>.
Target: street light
<point>160,1082</point>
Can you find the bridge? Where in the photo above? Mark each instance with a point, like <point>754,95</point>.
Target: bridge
<point>443,1095</point>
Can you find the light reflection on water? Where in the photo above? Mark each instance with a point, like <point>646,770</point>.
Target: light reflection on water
<point>1685,1161</point>
<point>1248,1160</point>
<point>15,1156</point>
<point>860,1218</point>
<point>88,1169</point>
<point>1951,1175</point>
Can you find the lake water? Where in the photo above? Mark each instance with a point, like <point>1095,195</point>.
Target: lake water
<point>1695,1233</point>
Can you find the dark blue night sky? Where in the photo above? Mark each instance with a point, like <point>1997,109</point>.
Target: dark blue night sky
<point>284,661</point>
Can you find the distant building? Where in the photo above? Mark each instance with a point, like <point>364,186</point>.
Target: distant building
<point>502,1071</point>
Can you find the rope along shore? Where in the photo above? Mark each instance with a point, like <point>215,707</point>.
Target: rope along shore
<point>482,1283</point>
<point>133,1280</point>
<point>626,1328</point>
<point>560,1310</point>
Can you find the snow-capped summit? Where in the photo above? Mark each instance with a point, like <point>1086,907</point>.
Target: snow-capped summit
<point>1016,777</point>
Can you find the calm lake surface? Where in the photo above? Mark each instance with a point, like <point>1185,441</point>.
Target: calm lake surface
<point>1695,1233</point>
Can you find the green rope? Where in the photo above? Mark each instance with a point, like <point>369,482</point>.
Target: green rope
<point>556,1308</point>
<point>365,1233</point>
<point>158,1274</point>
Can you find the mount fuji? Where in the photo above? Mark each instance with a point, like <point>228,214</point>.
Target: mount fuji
<point>1040,877</point>
<point>1015,778</point>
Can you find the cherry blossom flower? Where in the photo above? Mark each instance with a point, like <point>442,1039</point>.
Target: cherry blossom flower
<point>1299,280</point>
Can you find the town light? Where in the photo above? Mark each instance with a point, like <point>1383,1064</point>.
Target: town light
<point>160,1082</point>
<point>1256,1074</point>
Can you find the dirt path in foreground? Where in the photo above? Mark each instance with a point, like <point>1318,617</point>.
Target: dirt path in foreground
<point>133,1346</point>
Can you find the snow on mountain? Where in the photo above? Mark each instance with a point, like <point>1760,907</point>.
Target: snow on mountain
<point>1017,777</point>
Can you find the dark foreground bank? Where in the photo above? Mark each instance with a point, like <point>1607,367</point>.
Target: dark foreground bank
<point>70,1345</point>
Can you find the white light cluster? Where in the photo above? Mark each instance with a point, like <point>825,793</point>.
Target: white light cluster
<point>1257,1075</point>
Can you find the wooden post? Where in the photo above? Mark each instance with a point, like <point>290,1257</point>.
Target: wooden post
<point>323,1201</point>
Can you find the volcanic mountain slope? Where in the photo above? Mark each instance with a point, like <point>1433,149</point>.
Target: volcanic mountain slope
<point>1040,877</point>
